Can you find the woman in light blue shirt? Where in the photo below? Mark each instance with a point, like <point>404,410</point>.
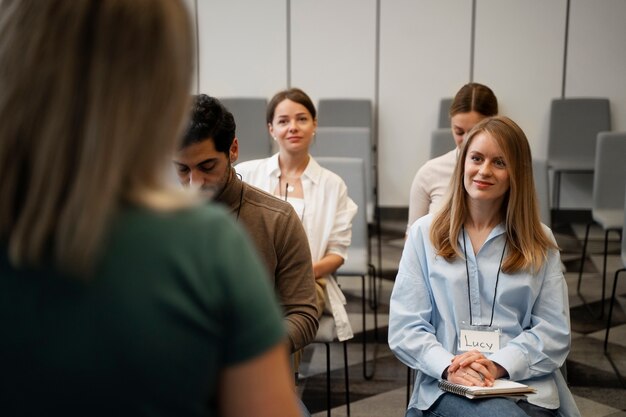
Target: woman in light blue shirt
<point>480,294</point>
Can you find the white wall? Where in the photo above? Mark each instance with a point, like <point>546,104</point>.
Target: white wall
<point>425,54</point>
<point>507,58</point>
<point>596,64</point>
<point>421,62</point>
<point>333,54</point>
<point>191,6</point>
<point>243,47</point>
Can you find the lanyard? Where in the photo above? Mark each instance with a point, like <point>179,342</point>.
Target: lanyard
<point>495,291</point>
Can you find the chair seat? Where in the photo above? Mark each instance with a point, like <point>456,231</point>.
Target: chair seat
<point>573,165</point>
<point>609,219</point>
<point>356,264</point>
<point>327,331</point>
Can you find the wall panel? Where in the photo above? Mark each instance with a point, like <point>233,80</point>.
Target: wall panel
<point>596,64</point>
<point>424,56</point>
<point>333,47</point>
<point>519,54</point>
<point>191,6</point>
<point>243,47</point>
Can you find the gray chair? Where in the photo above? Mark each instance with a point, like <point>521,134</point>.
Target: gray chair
<point>252,133</point>
<point>350,113</point>
<point>349,142</point>
<point>441,142</point>
<point>444,113</point>
<point>358,263</point>
<point>327,334</point>
<point>342,118</point>
<point>608,196</point>
<point>613,295</point>
<point>342,112</point>
<point>574,126</point>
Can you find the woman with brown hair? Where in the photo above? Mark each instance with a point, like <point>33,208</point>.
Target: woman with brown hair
<point>118,295</point>
<point>480,294</point>
<point>319,196</point>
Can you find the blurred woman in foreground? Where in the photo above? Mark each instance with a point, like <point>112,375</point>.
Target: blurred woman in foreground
<point>118,296</point>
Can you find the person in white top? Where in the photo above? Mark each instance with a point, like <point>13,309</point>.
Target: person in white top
<point>472,103</point>
<point>319,196</point>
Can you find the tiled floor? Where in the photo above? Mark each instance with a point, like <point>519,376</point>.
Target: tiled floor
<point>592,378</point>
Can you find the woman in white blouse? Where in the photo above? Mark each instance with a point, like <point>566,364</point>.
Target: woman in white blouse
<point>319,196</point>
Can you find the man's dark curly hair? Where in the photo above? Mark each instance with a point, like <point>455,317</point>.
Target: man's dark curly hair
<point>210,120</point>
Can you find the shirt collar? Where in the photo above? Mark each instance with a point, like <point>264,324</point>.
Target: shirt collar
<point>313,170</point>
<point>498,230</point>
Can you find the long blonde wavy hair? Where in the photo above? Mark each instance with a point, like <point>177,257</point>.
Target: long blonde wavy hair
<point>527,242</point>
<point>92,99</point>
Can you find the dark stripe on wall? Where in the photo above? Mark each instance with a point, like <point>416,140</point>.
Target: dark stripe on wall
<point>377,217</point>
<point>565,48</point>
<point>376,82</point>
<point>472,41</point>
<point>288,43</point>
<point>195,14</point>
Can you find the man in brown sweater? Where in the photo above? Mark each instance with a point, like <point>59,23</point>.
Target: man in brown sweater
<point>204,160</point>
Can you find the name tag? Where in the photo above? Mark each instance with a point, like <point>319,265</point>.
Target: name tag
<point>480,340</point>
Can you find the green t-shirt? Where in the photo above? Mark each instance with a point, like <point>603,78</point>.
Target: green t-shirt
<point>175,299</point>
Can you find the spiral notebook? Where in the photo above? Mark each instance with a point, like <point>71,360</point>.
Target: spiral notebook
<point>500,388</point>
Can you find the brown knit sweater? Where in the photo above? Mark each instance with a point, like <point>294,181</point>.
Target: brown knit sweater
<point>281,242</point>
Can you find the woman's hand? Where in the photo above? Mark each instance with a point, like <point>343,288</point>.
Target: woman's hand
<point>327,265</point>
<point>469,377</point>
<point>474,369</point>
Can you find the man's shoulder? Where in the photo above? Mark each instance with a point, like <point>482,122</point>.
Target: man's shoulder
<point>265,201</point>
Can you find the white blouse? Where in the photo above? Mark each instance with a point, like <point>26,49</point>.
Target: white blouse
<point>328,211</point>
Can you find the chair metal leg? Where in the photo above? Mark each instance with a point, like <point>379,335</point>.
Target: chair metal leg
<point>606,250</point>
<point>372,270</point>
<point>557,189</point>
<point>408,385</point>
<point>606,254</point>
<point>582,264</point>
<point>608,328</point>
<point>327,379</point>
<point>379,236</point>
<point>347,380</point>
<point>582,259</point>
<point>364,341</point>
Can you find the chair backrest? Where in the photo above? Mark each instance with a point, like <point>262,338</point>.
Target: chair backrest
<point>441,142</point>
<point>352,171</point>
<point>340,112</point>
<point>252,133</point>
<point>542,187</point>
<point>444,113</point>
<point>348,142</point>
<point>574,125</point>
<point>609,177</point>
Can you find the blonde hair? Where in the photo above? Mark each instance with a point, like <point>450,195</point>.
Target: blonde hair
<point>92,99</point>
<point>527,242</point>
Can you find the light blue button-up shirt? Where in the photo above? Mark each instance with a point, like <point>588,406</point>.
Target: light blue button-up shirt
<point>429,302</point>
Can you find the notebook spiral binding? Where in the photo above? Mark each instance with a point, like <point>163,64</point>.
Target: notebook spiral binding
<point>453,388</point>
